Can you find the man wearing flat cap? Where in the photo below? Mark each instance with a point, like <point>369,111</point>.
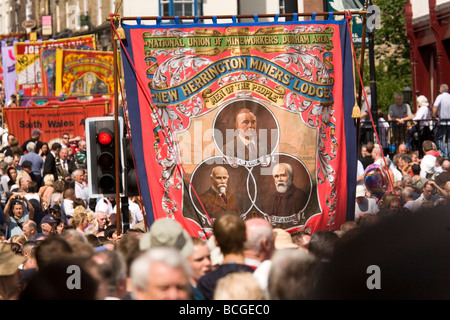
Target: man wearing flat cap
<point>9,272</point>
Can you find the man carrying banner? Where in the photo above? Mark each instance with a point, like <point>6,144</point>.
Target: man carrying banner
<point>217,199</point>
<point>289,200</point>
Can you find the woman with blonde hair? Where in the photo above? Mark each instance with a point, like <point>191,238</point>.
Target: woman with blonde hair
<point>47,190</point>
<point>79,220</point>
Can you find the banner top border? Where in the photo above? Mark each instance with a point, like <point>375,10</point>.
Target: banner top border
<point>171,21</point>
<point>231,24</point>
<point>249,16</point>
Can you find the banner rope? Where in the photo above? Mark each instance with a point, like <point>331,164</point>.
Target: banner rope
<point>348,17</point>
<point>141,206</point>
<point>165,133</point>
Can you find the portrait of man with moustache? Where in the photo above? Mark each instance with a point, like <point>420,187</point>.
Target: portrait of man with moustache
<point>217,200</point>
<point>288,200</point>
<point>245,144</point>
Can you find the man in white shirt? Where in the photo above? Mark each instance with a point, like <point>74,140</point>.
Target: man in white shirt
<point>441,112</point>
<point>428,163</point>
<point>135,212</point>
<point>78,177</point>
<point>364,206</point>
<point>105,205</point>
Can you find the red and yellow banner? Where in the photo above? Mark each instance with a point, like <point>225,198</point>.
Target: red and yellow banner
<point>54,117</point>
<point>84,73</point>
<point>28,65</point>
<point>249,119</point>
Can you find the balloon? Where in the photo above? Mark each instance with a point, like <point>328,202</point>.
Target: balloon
<point>376,180</point>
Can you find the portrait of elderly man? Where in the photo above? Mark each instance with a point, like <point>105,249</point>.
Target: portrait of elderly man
<point>246,143</point>
<point>288,200</point>
<point>217,199</point>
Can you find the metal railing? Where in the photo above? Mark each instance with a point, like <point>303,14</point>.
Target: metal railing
<point>391,134</point>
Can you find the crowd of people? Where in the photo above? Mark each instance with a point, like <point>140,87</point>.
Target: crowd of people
<point>412,182</point>
<point>401,125</point>
<point>44,192</point>
<point>56,243</point>
<point>243,260</point>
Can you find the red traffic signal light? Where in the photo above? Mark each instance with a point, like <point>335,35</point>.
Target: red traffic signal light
<point>105,137</point>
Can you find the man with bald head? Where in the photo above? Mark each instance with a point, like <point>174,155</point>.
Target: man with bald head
<point>217,199</point>
<point>289,200</point>
<point>260,243</point>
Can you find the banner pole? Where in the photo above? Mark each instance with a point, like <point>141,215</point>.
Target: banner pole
<point>116,138</point>
<point>361,68</point>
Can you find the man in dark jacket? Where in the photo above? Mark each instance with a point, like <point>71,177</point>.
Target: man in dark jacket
<point>289,200</point>
<point>217,199</point>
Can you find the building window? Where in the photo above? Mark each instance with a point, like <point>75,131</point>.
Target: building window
<point>180,7</point>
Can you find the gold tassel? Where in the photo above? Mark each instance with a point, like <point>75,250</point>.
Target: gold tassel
<point>120,33</point>
<point>356,113</point>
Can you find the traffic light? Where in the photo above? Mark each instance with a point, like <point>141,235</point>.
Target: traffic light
<point>129,171</point>
<point>100,141</point>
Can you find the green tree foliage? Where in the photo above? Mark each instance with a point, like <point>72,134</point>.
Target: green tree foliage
<point>392,57</point>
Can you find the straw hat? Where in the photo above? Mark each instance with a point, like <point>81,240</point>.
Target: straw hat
<point>9,261</point>
<point>167,232</point>
<point>283,239</point>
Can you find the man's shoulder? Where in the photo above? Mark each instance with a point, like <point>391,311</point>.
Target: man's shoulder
<point>295,191</point>
<point>224,269</point>
<point>371,200</point>
<point>429,157</point>
<point>208,193</point>
<point>230,195</point>
<point>32,156</point>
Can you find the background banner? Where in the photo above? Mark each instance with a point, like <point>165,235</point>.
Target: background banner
<point>54,118</point>
<point>48,67</point>
<point>252,119</point>
<point>9,71</point>
<point>84,73</point>
<point>28,66</point>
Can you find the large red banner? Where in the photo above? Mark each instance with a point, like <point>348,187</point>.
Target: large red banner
<point>54,118</point>
<point>262,107</point>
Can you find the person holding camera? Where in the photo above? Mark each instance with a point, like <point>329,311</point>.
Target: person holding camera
<point>18,210</point>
